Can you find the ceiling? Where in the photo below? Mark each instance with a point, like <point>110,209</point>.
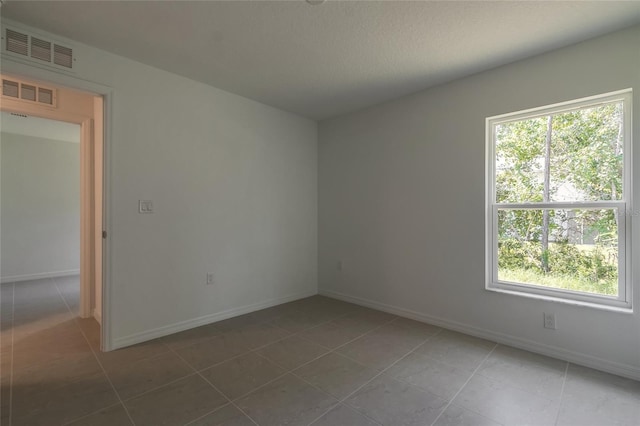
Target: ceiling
<point>19,124</point>
<point>324,60</point>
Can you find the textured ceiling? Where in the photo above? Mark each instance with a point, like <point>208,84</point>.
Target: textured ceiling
<point>325,60</point>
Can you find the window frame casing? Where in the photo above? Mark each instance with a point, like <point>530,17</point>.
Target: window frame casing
<point>623,301</point>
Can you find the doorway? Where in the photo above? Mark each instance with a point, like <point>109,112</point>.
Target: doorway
<point>61,112</point>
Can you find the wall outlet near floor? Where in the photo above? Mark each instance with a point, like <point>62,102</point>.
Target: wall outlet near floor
<point>209,278</point>
<point>339,266</point>
<point>550,321</point>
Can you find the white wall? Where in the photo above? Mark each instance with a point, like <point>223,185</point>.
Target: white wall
<point>40,209</point>
<point>402,192</point>
<point>234,186</point>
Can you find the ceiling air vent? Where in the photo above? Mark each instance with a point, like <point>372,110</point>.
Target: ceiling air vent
<point>30,92</point>
<point>45,96</point>
<point>11,89</point>
<point>17,42</point>
<point>63,56</point>
<point>37,48</point>
<point>41,49</point>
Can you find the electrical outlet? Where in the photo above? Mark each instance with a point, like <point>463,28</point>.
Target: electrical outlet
<point>550,321</point>
<point>339,265</point>
<point>209,279</point>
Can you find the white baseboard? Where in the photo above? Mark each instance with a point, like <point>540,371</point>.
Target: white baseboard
<point>144,336</point>
<point>40,275</point>
<point>619,369</point>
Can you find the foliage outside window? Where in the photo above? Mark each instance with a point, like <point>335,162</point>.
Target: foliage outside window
<point>558,188</point>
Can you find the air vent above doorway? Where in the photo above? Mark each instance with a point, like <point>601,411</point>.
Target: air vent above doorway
<point>30,92</point>
<point>21,44</point>
<point>17,42</point>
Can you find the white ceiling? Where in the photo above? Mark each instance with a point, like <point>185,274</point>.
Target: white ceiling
<point>39,127</point>
<point>325,60</point>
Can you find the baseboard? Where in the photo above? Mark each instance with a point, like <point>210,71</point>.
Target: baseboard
<point>144,336</point>
<point>40,275</point>
<point>98,316</point>
<point>619,369</point>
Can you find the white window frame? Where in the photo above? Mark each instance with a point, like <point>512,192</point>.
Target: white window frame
<point>624,206</point>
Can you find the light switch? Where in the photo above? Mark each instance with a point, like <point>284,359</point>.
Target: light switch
<point>145,206</point>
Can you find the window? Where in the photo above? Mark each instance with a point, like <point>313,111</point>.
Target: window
<point>558,194</point>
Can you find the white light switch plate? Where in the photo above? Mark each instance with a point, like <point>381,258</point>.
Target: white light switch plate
<point>145,206</point>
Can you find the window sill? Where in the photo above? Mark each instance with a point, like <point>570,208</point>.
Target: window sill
<point>581,303</point>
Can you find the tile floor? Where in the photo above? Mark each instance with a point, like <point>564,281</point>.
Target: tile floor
<point>314,361</point>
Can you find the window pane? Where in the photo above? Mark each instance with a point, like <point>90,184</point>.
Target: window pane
<point>580,252</point>
<point>520,160</point>
<point>586,154</point>
<point>571,156</point>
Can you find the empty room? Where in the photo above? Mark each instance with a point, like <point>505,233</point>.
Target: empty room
<point>319,212</point>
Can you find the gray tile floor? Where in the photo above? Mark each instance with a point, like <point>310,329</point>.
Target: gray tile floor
<point>314,361</point>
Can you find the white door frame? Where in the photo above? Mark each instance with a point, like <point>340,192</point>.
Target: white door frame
<point>28,71</point>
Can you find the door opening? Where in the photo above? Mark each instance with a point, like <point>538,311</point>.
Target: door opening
<point>70,109</point>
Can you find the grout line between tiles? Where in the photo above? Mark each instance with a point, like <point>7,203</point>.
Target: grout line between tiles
<point>391,365</point>
<point>355,338</point>
<point>261,386</point>
<point>464,384</point>
<point>293,333</point>
<point>329,350</point>
<point>248,350</point>
<point>564,382</point>
<point>75,320</point>
<point>230,401</point>
<point>232,330</point>
<point>349,408</point>
<point>207,413</point>
<point>292,371</point>
<point>151,357</point>
<point>193,373</point>
<point>270,323</point>
<point>255,352</point>
<point>257,349</point>
<point>71,422</point>
<point>215,388</point>
<point>196,371</point>
<point>381,372</point>
<point>286,370</point>
<point>442,397</point>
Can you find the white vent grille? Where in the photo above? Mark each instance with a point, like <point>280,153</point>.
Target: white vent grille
<point>63,56</point>
<point>17,42</point>
<point>41,49</point>
<point>23,44</point>
<point>11,89</point>
<point>29,92</point>
<point>45,96</point>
